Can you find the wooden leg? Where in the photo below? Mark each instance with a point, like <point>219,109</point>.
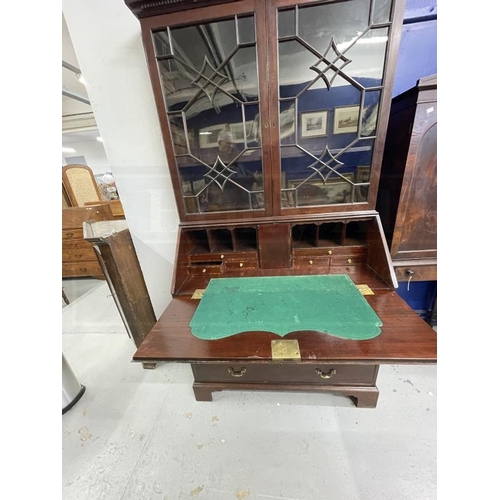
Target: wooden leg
<point>202,393</point>
<point>365,398</point>
<point>149,366</point>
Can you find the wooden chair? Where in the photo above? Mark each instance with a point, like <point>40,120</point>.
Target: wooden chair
<point>80,185</point>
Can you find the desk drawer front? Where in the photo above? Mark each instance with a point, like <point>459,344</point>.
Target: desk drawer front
<point>81,269</point>
<point>205,270</point>
<point>420,273</point>
<point>78,255</point>
<point>311,261</point>
<point>242,264</point>
<point>70,234</point>
<point>328,374</point>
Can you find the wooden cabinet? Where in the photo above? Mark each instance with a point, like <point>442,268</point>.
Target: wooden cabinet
<point>407,199</point>
<point>274,117</point>
<point>78,257</point>
<point>272,108</point>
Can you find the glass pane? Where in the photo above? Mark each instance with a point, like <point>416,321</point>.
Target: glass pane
<point>252,125</point>
<point>161,43</point>
<point>363,181</point>
<point>330,78</point>
<point>179,137</point>
<point>210,87</point>
<point>286,23</point>
<point>215,40</point>
<point>368,58</point>
<point>246,29</point>
<point>295,62</point>
<point>369,115</point>
<point>288,125</point>
<point>381,11</point>
<point>342,20</point>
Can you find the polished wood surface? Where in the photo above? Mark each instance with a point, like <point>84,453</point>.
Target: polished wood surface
<point>278,373</point>
<point>405,338</point>
<point>408,190</point>
<point>351,244</point>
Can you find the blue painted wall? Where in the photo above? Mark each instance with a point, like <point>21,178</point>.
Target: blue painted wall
<point>418,47</point>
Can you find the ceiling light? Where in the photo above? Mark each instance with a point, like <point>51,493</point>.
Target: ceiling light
<point>99,138</point>
<point>80,78</point>
<point>68,150</point>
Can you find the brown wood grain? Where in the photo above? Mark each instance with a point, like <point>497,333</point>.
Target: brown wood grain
<point>405,338</point>
<point>408,191</point>
<point>120,265</point>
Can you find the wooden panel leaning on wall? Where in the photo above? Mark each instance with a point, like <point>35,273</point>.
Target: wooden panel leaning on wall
<point>78,257</point>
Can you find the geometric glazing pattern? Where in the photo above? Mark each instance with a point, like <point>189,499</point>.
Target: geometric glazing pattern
<point>220,173</point>
<point>330,65</point>
<point>323,165</point>
<point>209,79</point>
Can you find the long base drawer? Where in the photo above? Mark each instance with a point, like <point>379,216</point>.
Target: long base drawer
<point>321,374</point>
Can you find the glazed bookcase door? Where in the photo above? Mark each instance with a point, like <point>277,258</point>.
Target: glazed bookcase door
<point>334,68</point>
<point>206,66</point>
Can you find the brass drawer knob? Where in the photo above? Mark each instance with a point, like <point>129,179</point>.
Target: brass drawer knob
<point>241,264</point>
<point>349,261</point>
<point>322,374</point>
<point>310,262</point>
<point>204,271</point>
<point>235,373</point>
<point>222,256</point>
<point>330,252</point>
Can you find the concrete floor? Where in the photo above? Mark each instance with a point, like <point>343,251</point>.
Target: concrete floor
<point>139,434</point>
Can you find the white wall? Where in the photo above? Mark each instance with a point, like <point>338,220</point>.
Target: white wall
<point>107,41</point>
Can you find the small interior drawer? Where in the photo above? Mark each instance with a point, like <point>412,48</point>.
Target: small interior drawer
<point>242,264</point>
<point>203,269</point>
<point>311,261</point>
<point>357,258</point>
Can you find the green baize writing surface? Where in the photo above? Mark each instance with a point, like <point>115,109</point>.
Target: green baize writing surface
<point>282,304</point>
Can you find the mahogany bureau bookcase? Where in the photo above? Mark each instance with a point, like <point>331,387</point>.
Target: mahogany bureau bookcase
<point>274,117</point>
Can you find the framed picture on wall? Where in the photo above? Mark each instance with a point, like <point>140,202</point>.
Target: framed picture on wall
<point>238,132</point>
<point>313,124</point>
<point>362,175</point>
<point>208,136</point>
<point>317,192</point>
<point>345,120</point>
